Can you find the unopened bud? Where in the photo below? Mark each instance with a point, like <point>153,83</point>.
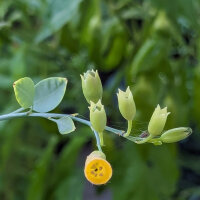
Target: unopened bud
<point>98,117</point>
<point>176,134</point>
<point>92,86</point>
<point>126,104</point>
<point>157,121</point>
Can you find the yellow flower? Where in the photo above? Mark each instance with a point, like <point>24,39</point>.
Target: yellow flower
<point>97,170</point>
<point>157,121</point>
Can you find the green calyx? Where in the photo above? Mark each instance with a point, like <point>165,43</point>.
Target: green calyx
<point>176,134</point>
<point>98,117</point>
<point>157,121</point>
<point>92,86</point>
<point>126,104</point>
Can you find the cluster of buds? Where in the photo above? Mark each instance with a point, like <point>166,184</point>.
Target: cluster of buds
<point>97,169</point>
<point>156,126</point>
<point>93,90</point>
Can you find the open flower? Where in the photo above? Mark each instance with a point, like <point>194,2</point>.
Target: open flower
<point>97,170</point>
<point>92,86</point>
<point>97,116</point>
<point>157,121</point>
<point>126,104</point>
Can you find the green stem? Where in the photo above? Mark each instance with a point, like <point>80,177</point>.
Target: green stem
<point>129,128</point>
<point>97,139</point>
<point>101,138</point>
<point>144,140</point>
<point>19,114</point>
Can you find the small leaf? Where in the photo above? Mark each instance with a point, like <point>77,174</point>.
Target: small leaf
<point>65,125</point>
<point>24,92</point>
<point>49,93</point>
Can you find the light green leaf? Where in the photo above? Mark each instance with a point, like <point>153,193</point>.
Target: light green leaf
<point>49,93</point>
<point>24,92</point>
<point>65,125</point>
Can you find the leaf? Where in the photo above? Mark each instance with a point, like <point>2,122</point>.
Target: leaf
<point>49,93</point>
<point>24,92</point>
<point>36,189</point>
<point>65,125</point>
<point>59,13</point>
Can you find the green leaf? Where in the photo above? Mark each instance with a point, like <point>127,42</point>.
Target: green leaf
<point>65,125</point>
<point>24,92</point>
<point>59,13</point>
<point>39,175</point>
<point>49,93</point>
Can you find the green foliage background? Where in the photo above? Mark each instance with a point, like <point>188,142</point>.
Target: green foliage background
<point>151,45</point>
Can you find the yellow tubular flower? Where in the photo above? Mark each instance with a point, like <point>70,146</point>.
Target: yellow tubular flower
<point>97,170</point>
<point>157,121</point>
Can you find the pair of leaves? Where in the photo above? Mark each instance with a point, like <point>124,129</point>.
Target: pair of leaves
<point>44,97</point>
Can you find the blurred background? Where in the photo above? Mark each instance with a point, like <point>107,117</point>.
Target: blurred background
<point>151,45</point>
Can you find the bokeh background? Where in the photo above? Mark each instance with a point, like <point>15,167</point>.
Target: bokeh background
<point>151,45</point>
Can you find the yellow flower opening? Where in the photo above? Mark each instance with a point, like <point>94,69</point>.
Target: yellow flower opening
<point>97,170</point>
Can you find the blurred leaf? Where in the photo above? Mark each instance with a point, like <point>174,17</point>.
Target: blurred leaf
<point>59,13</point>
<point>24,91</point>
<point>49,93</point>
<point>39,176</point>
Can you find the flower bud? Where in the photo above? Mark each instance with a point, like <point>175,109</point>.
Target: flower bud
<point>91,86</point>
<point>97,170</point>
<point>176,134</point>
<point>126,104</point>
<point>157,121</point>
<point>97,116</point>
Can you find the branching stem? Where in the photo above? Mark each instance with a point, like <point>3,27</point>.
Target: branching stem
<point>50,116</point>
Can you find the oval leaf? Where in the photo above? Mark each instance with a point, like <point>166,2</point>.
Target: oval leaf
<point>49,93</point>
<point>24,92</point>
<point>65,125</point>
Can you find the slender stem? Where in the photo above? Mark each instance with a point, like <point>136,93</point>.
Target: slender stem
<point>18,110</point>
<point>101,138</point>
<point>129,128</point>
<point>97,139</point>
<point>18,114</point>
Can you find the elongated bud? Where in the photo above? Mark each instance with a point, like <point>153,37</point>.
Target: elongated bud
<point>98,117</point>
<point>92,86</point>
<point>157,121</point>
<point>176,134</point>
<point>97,169</point>
<point>126,104</point>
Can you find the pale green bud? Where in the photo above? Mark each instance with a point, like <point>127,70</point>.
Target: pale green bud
<point>162,24</point>
<point>126,104</point>
<point>157,121</point>
<point>176,134</point>
<point>91,86</point>
<point>98,117</point>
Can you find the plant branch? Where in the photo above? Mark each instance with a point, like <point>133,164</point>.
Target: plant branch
<point>50,116</point>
